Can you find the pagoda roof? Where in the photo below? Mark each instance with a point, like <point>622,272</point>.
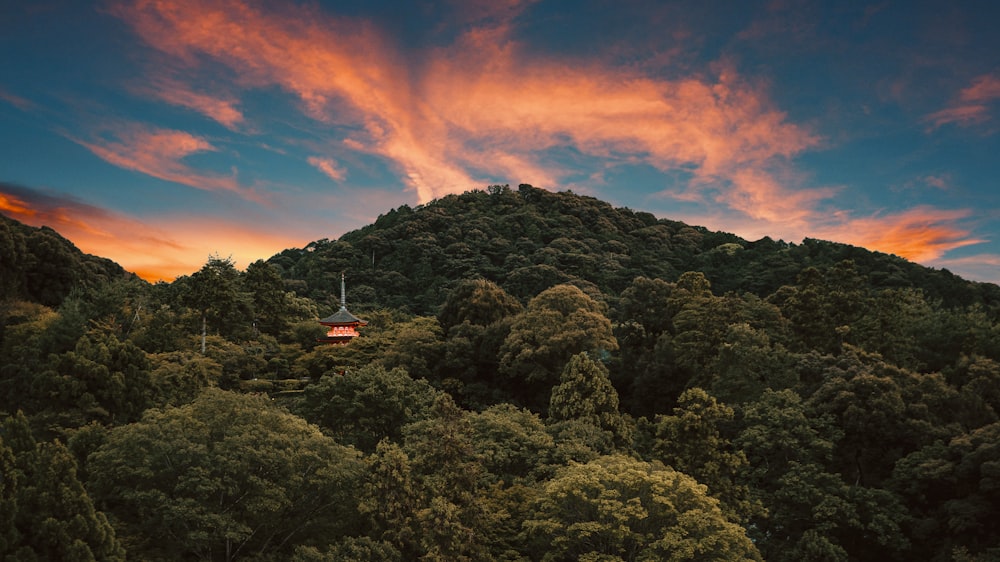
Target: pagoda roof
<point>342,316</point>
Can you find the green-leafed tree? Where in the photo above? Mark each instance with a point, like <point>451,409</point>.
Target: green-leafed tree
<point>557,324</point>
<point>271,305</point>
<point>692,441</point>
<point>179,377</point>
<point>884,412</point>
<point>227,476</point>
<point>363,407</point>
<point>391,498</point>
<point>417,347</point>
<point>479,302</point>
<point>216,292</point>
<point>103,379</point>
<point>749,362</point>
<point>619,508</point>
<point>8,497</point>
<point>952,490</point>
<point>54,516</point>
<point>511,444</point>
<point>451,521</point>
<point>585,394</point>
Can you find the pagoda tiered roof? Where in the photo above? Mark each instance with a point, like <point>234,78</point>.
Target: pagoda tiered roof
<point>342,317</point>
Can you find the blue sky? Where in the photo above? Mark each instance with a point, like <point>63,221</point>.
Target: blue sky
<point>157,133</point>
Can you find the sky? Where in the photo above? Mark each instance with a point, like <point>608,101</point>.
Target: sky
<point>158,133</point>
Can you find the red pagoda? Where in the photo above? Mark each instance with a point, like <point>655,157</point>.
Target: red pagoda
<point>342,324</point>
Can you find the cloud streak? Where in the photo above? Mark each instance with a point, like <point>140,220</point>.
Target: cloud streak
<point>972,106</point>
<point>923,234</point>
<point>222,109</point>
<point>328,167</point>
<point>160,153</point>
<point>17,101</point>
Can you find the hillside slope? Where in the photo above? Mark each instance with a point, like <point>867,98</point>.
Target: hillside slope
<point>529,239</point>
<point>41,266</point>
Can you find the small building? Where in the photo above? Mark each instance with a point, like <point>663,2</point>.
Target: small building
<point>343,326</point>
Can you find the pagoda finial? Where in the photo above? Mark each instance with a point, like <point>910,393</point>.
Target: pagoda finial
<point>343,292</point>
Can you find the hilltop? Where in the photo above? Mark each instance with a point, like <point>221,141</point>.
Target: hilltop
<point>529,239</point>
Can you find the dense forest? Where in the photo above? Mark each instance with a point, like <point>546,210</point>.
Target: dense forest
<point>543,377</point>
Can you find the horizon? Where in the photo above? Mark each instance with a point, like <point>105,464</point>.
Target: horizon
<point>158,134</point>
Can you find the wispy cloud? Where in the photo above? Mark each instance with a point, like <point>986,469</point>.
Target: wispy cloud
<point>156,249</point>
<point>329,168</point>
<point>939,181</point>
<point>480,108</point>
<point>160,153</point>
<point>222,109</point>
<point>923,234</point>
<point>972,106</point>
<point>23,104</point>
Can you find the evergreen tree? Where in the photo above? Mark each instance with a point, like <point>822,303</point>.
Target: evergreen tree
<point>584,393</point>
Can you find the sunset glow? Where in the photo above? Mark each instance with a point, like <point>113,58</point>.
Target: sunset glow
<point>243,128</point>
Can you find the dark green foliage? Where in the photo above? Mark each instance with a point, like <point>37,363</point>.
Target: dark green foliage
<point>53,516</point>
<point>531,239</point>
<point>364,406</point>
<point>557,324</point>
<point>227,476</point>
<point>39,265</point>
<point>478,302</point>
<point>953,490</point>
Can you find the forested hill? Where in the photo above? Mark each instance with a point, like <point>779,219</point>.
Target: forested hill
<point>39,265</point>
<point>603,386</point>
<point>531,239</point>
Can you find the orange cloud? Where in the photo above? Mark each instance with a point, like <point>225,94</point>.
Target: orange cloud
<point>222,110</point>
<point>923,234</point>
<point>972,105</point>
<point>983,89</point>
<point>964,115</point>
<point>158,249</point>
<point>160,153</point>
<point>328,167</point>
<point>482,109</point>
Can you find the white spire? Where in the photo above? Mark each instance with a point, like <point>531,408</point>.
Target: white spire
<point>343,292</point>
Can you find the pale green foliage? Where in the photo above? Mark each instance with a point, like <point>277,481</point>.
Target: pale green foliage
<point>619,508</point>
